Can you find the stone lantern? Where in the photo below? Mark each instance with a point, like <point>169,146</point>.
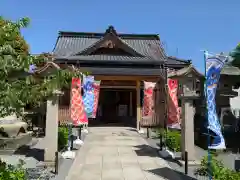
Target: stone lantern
<point>189,90</point>
<point>51,131</point>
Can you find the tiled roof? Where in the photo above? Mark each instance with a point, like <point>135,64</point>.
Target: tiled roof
<point>70,44</point>
<point>175,60</point>
<point>230,70</point>
<point>184,71</point>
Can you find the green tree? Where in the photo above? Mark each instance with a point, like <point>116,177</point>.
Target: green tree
<point>235,54</point>
<point>18,87</point>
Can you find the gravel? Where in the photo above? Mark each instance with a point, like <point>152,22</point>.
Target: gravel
<point>39,173</point>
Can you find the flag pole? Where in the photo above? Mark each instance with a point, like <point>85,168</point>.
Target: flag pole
<point>208,132</point>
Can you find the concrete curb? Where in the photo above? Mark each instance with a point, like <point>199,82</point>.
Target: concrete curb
<point>162,162</point>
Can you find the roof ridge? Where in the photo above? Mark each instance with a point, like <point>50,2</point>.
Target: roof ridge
<point>99,35</point>
<point>181,60</point>
<point>115,36</point>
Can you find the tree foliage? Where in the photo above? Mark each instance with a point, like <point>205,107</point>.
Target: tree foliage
<point>235,54</point>
<point>18,87</point>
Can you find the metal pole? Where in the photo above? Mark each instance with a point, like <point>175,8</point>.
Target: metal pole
<point>166,102</point>
<point>80,132</point>
<point>70,136</point>
<point>56,163</point>
<point>186,162</point>
<point>208,138</point>
<point>147,132</point>
<point>161,142</point>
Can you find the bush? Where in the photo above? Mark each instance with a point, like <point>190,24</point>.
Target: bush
<point>173,139</point>
<point>10,172</point>
<point>217,170</point>
<point>62,137</point>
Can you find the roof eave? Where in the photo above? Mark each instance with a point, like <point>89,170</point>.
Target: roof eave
<point>184,72</point>
<point>117,62</point>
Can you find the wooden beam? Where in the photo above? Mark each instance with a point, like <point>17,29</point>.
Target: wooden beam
<point>124,78</point>
<point>118,87</point>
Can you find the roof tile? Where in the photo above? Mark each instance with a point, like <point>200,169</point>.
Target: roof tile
<point>149,45</point>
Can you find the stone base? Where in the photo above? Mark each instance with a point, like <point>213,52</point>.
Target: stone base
<point>46,164</point>
<point>190,162</point>
<point>9,145</point>
<point>167,154</point>
<point>68,154</point>
<point>141,131</point>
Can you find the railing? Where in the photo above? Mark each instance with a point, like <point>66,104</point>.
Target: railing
<point>64,115</point>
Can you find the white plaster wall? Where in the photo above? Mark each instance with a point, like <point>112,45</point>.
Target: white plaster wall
<point>235,101</point>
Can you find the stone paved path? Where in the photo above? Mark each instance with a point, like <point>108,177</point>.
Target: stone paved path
<point>118,153</point>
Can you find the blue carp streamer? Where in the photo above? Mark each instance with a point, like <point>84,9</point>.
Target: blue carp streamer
<point>88,96</point>
<point>214,66</point>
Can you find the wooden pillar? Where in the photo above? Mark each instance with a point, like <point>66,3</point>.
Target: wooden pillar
<point>138,104</point>
<point>130,104</point>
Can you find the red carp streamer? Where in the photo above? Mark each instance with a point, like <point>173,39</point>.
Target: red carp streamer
<point>78,114</point>
<point>173,109</point>
<point>148,101</point>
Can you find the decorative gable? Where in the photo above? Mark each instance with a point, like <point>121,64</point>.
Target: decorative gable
<point>110,43</point>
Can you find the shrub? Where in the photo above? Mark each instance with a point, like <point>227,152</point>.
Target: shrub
<point>172,139</point>
<point>62,137</point>
<point>10,172</point>
<point>217,170</point>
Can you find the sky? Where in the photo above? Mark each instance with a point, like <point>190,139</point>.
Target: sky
<point>185,27</point>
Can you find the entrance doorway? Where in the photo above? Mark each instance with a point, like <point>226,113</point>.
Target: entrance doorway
<point>117,106</point>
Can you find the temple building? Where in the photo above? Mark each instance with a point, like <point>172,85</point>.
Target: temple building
<point>121,62</point>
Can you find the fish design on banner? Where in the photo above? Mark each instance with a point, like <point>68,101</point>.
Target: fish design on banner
<point>148,98</point>
<point>173,108</point>
<point>78,114</point>
<point>96,87</point>
<point>88,96</point>
<point>214,66</point>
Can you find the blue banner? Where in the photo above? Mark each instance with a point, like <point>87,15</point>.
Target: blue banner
<point>88,96</point>
<point>214,66</point>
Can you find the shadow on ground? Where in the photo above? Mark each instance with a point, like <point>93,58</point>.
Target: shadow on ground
<point>132,129</point>
<point>36,153</point>
<point>170,174</point>
<point>145,150</point>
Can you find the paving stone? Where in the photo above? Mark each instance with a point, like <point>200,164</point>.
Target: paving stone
<point>95,172</point>
<point>96,168</point>
<point>151,176</point>
<point>115,153</point>
<point>148,166</point>
<point>111,159</point>
<point>133,173</point>
<point>111,165</point>
<point>112,173</point>
<point>113,178</point>
<point>126,165</point>
<point>93,159</point>
<point>126,150</point>
<point>128,159</point>
<point>145,159</point>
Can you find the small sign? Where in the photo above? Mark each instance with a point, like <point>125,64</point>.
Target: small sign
<point>122,110</point>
